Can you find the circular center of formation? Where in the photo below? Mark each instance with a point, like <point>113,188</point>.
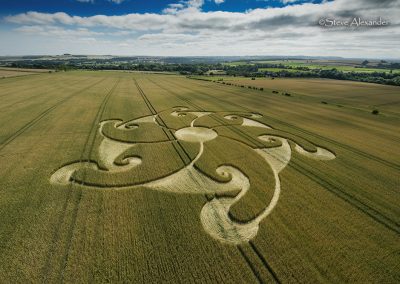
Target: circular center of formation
<point>196,134</point>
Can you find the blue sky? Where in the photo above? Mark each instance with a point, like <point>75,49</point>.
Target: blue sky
<point>198,27</point>
<point>108,7</point>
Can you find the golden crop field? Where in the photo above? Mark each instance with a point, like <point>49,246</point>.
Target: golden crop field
<point>149,178</point>
<point>340,93</point>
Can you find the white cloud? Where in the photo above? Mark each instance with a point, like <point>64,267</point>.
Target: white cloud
<point>184,5</point>
<point>185,29</point>
<point>219,1</point>
<point>289,1</point>
<point>191,19</point>
<point>55,31</point>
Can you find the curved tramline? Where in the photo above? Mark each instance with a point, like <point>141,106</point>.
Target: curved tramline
<point>128,149</point>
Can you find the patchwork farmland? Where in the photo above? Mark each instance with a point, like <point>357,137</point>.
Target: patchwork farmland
<point>133,177</point>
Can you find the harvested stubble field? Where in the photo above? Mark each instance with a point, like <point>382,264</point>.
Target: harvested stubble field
<point>148,178</point>
<point>6,72</point>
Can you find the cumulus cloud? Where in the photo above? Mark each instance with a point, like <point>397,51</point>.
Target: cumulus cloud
<point>184,5</point>
<point>184,28</point>
<point>190,18</point>
<point>55,31</point>
<point>289,1</point>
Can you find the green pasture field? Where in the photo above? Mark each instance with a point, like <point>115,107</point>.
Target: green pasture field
<point>279,69</point>
<point>336,220</point>
<point>315,64</point>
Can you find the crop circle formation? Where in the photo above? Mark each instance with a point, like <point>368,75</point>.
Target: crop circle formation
<point>129,150</point>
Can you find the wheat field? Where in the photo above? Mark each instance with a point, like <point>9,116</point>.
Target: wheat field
<point>147,178</point>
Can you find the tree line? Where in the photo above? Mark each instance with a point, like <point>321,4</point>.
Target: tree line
<point>246,70</point>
